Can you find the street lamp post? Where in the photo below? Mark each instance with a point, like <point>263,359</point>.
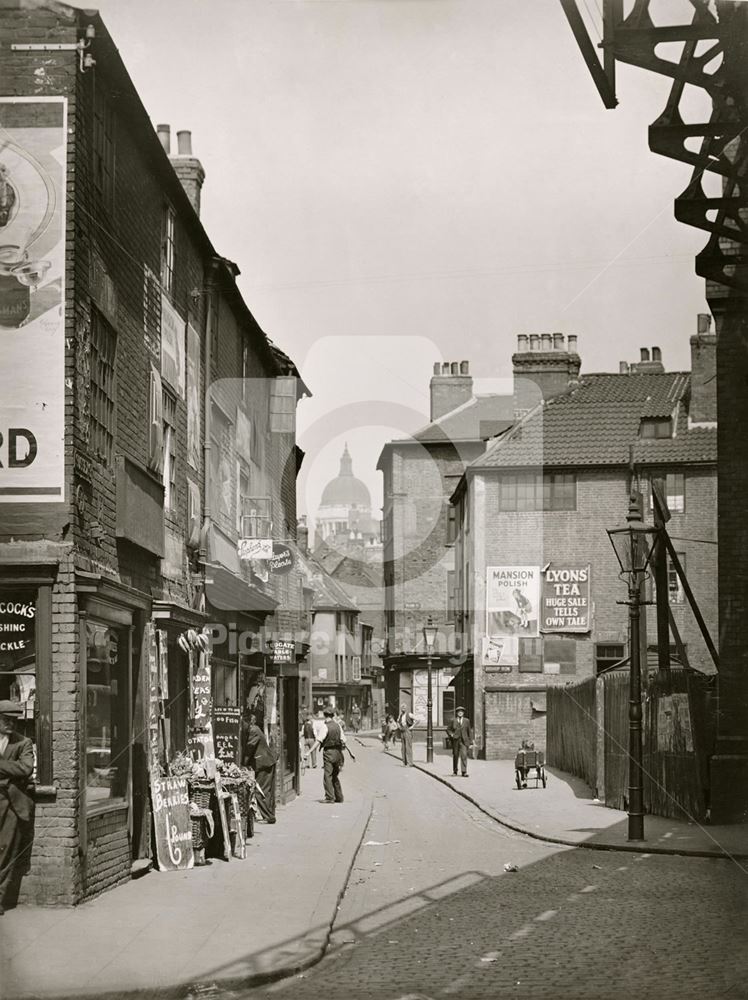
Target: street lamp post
<point>429,634</point>
<point>633,544</point>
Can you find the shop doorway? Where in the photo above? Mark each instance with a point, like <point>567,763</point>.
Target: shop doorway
<point>290,735</point>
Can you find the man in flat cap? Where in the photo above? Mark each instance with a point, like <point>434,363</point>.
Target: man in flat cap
<point>461,735</point>
<point>332,743</point>
<point>16,767</point>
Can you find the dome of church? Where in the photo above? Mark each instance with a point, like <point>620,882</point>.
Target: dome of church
<point>345,490</point>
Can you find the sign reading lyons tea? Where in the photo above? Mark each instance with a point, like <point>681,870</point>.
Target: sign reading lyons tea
<point>566,599</point>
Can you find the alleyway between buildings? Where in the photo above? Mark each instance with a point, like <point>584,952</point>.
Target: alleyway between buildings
<point>404,889</point>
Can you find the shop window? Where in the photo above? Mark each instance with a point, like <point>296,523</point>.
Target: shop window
<point>531,656</point>
<point>559,655</point>
<point>608,655</point>
<point>101,419</point>
<point>674,585</point>
<point>106,730</point>
<point>225,682</point>
<point>168,226</point>
<point>18,658</point>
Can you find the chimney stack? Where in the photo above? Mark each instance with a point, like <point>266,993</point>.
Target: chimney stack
<point>187,167</point>
<point>164,134</point>
<point>703,407</point>
<point>547,369</point>
<point>450,388</point>
<point>650,362</point>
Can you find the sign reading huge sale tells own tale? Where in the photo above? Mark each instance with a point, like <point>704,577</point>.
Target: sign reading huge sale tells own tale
<point>566,599</point>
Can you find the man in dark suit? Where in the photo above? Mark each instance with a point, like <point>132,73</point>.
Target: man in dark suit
<point>16,767</point>
<point>461,735</point>
<point>258,755</point>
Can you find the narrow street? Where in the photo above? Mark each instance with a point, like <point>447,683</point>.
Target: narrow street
<point>430,912</point>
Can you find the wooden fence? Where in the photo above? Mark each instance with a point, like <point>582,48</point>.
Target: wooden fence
<point>588,735</point>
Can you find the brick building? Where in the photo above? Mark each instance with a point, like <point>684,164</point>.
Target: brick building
<point>537,579</point>
<point>420,474</point>
<point>147,428</point>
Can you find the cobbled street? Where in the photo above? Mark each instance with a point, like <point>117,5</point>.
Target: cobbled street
<point>430,912</point>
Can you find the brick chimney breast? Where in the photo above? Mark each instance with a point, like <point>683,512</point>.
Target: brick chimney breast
<point>703,408</point>
<point>188,169</point>
<point>549,368</point>
<point>451,388</point>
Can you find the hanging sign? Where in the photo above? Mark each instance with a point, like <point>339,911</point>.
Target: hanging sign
<point>566,599</point>
<point>255,548</point>
<point>170,799</point>
<point>201,692</point>
<point>282,651</point>
<point>281,561</point>
<point>512,601</point>
<point>226,728</point>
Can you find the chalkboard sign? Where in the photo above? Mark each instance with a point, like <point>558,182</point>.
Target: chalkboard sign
<point>170,799</point>
<point>200,746</point>
<point>226,728</point>
<point>201,692</point>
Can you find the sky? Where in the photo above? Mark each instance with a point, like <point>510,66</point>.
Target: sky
<point>410,181</point>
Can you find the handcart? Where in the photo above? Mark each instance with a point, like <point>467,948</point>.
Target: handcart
<point>529,765</point>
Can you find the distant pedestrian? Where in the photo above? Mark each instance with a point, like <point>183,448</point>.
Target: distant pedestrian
<point>310,737</point>
<point>461,736</point>
<point>355,717</point>
<point>389,731</point>
<point>332,745</point>
<point>16,768</point>
<point>405,724</point>
<point>262,760</point>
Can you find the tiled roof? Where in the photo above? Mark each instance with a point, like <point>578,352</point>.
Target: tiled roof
<point>328,593</point>
<point>480,418</point>
<point>598,422</point>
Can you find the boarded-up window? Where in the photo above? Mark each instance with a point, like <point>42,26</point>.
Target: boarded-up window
<point>531,656</point>
<point>560,655</point>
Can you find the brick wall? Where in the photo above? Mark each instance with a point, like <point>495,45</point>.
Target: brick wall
<point>108,853</point>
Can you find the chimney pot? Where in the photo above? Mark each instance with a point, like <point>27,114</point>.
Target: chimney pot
<point>644,351</point>
<point>521,342</point>
<point>455,368</point>
<point>164,134</point>
<point>184,143</point>
<point>445,368</point>
<point>437,367</point>
<point>656,354</point>
<point>571,343</point>
<point>547,341</point>
<point>534,341</point>
<point>703,323</point>
<point>558,341</point>
<point>623,367</point>
<point>464,368</point>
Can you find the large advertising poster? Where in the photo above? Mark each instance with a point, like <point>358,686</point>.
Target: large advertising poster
<point>193,397</point>
<point>172,347</point>
<point>512,601</point>
<point>32,298</point>
<point>566,599</point>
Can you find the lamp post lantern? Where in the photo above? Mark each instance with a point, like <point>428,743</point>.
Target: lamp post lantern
<point>429,634</point>
<point>633,544</point>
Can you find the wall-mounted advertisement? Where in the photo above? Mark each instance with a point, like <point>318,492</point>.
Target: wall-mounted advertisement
<point>500,652</point>
<point>172,347</point>
<point>512,601</point>
<point>566,599</point>
<point>33,149</point>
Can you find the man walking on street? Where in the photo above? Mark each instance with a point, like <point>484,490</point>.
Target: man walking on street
<point>405,723</point>
<point>332,746</point>
<point>461,735</point>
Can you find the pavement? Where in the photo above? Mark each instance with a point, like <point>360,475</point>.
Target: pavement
<point>219,924</point>
<point>241,924</point>
<point>566,811</point>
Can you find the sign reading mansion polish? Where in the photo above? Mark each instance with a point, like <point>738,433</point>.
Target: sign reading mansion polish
<point>565,605</point>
